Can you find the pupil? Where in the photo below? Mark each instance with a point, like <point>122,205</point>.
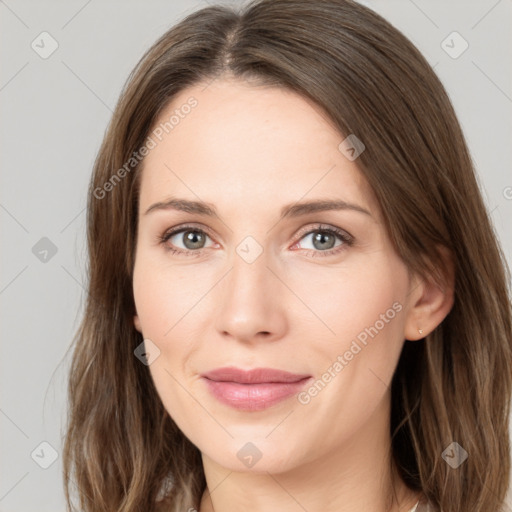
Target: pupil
<point>193,237</point>
<point>321,237</point>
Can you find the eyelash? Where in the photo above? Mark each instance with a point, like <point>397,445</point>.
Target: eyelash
<point>347,240</point>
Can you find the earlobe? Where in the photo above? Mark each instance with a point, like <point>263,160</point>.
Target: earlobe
<point>136,323</point>
<point>431,303</point>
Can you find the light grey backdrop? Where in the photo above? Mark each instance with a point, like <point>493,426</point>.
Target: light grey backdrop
<point>54,110</point>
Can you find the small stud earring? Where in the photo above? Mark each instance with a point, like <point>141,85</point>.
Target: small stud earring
<point>420,331</point>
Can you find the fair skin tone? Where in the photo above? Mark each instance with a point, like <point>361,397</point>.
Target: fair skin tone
<point>248,151</point>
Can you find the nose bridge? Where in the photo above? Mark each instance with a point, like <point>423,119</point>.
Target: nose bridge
<point>249,299</point>
<point>250,278</point>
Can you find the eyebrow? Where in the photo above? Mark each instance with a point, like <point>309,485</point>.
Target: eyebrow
<point>291,210</point>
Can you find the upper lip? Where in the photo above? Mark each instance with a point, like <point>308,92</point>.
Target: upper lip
<point>254,376</point>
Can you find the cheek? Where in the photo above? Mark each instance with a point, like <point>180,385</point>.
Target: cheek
<point>161,296</point>
<point>160,302</point>
<point>167,302</point>
<point>360,335</point>
<point>355,366</point>
<point>349,300</point>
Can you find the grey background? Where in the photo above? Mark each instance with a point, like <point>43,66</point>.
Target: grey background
<point>53,115</point>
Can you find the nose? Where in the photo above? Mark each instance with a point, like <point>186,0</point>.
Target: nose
<point>252,302</point>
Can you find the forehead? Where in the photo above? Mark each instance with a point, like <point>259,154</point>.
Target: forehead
<point>255,144</point>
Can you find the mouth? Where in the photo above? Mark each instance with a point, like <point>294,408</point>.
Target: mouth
<point>253,390</point>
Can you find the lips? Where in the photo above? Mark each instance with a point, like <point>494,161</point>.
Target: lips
<point>253,390</point>
<point>255,376</point>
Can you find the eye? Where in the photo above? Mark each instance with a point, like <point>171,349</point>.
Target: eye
<point>192,239</point>
<point>323,240</point>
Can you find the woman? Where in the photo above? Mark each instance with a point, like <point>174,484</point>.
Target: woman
<point>226,359</point>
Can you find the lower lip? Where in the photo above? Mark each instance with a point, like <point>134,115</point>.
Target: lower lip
<point>253,397</point>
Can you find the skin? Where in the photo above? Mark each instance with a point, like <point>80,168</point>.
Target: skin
<point>249,150</point>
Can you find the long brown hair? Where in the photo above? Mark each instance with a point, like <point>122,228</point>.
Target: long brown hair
<point>121,445</point>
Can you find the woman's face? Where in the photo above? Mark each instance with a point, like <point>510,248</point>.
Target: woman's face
<point>260,281</point>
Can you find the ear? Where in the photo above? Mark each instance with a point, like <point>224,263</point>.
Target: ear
<point>136,323</point>
<point>430,302</point>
